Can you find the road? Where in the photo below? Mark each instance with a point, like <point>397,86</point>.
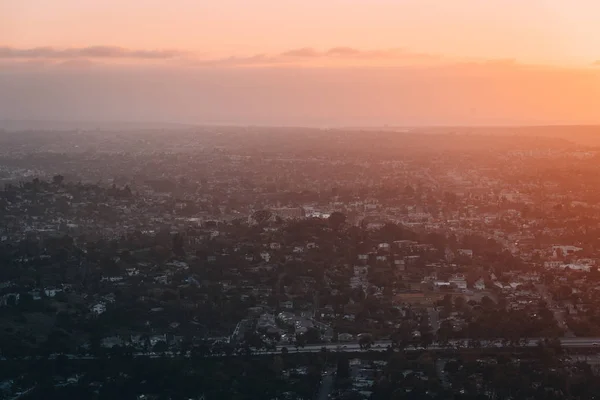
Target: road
<point>434,319</point>
<point>593,359</point>
<point>326,385</point>
<point>382,345</point>
<point>558,314</point>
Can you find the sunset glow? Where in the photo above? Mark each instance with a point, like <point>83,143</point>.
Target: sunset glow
<point>540,31</point>
<point>507,42</point>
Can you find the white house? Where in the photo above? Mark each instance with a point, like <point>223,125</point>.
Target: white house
<point>98,308</point>
<point>479,284</point>
<point>459,281</point>
<point>265,256</point>
<point>466,252</point>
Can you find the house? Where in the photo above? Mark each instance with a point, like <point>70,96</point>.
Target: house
<point>345,337</point>
<point>99,308</point>
<point>265,322</point>
<point>111,279</point>
<point>154,339</point>
<point>111,341</point>
<point>360,270</point>
<point>265,256</point>
<point>289,213</point>
<point>358,282</point>
<point>577,267</point>
<point>466,253</point>
<point>459,281</point>
<point>178,265</point>
<point>425,299</point>
<point>325,313</point>
<point>51,292</point>
<point>275,246</point>
<point>36,294</point>
<point>558,251</point>
<point>411,260</point>
<point>9,298</point>
<point>552,264</point>
<point>374,225</point>
<point>289,304</point>
<point>404,244</point>
<point>400,265</point>
<point>479,284</point>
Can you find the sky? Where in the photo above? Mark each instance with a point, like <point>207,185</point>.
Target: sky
<point>309,62</point>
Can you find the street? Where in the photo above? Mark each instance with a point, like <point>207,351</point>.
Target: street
<point>434,319</point>
<point>326,385</point>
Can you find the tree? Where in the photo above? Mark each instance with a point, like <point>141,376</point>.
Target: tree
<point>487,303</point>
<point>58,179</point>
<point>11,300</point>
<point>26,302</point>
<point>365,341</point>
<point>262,216</point>
<point>178,245</point>
<point>312,336</point>
<point>278,365</point>
<point>402,337</point>
<point>160,347</point>
<point>459,302</point>
<point>300,340</point>
<point>336,220</point>
<point>343,367</point>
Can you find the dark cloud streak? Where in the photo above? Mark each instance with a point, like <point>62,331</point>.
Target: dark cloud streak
<point>112,52</point>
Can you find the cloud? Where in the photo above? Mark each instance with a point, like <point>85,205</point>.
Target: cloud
<point>302,52</point>
<point>351,53</point>
<point>308,56</point>
<point>596,63</point>
<point>345,52</point>
<point>255,60</point>
<point>84,57</point>
<point>112,52</point>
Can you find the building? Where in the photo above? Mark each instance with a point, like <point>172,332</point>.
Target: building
<point>289,213</point>
<point>418,299</point>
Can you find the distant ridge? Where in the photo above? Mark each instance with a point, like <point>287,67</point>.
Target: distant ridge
<point>52,125</point>
<point>588,135</point>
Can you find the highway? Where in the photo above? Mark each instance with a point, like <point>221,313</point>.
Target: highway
<point>381,345</point>
<point>463,343</point>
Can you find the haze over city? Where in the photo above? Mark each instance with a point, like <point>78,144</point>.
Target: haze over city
<point>311,63</point>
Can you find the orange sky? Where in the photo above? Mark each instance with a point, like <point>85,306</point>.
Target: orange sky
<point>538,31</point>
<point>389,61</point>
